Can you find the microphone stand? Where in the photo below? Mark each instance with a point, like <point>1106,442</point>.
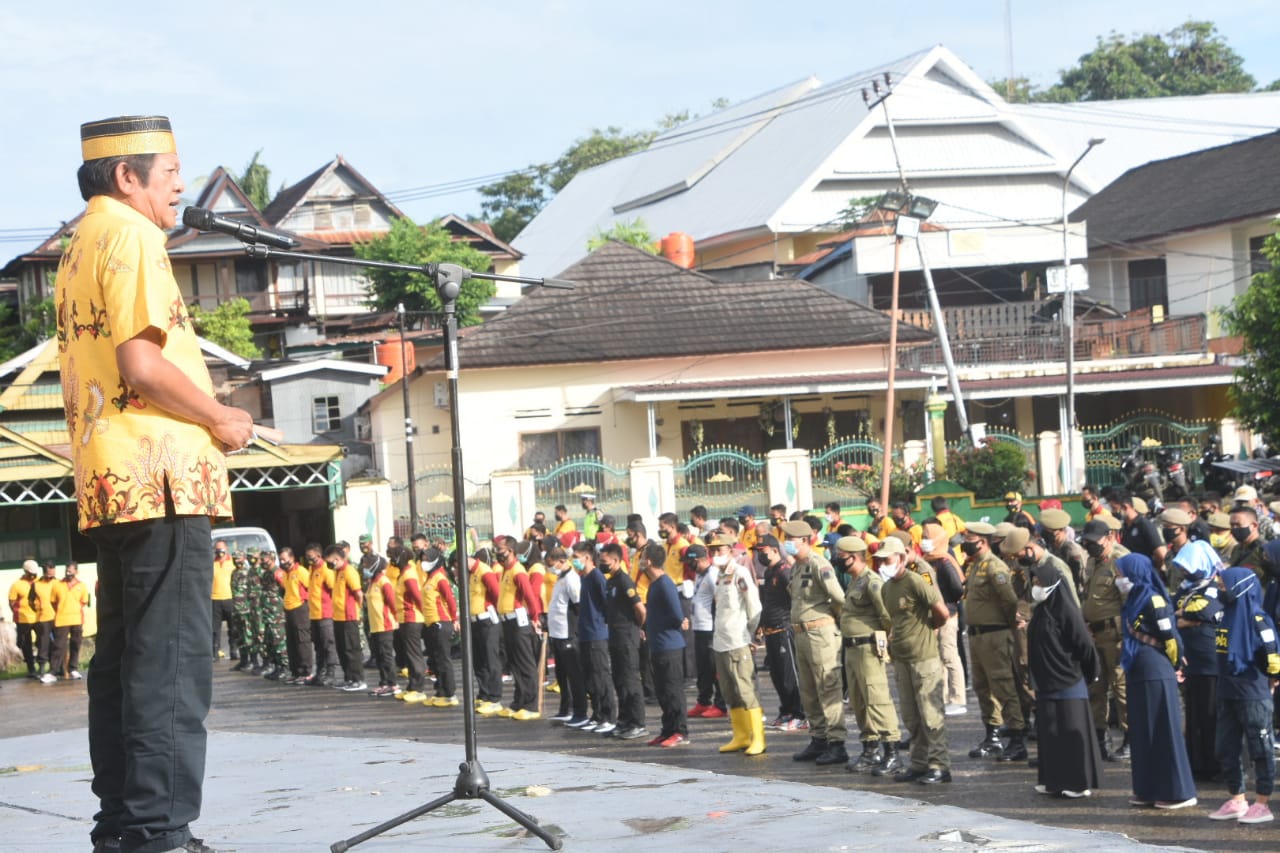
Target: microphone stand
<point>472,782</point>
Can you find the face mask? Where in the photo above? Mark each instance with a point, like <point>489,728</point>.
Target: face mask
<point>663,535</point>
<point>887,572</point>
<point>1093,549</point>
<point>899,522</point>
<point>1040,593</point>
<point>790,547</point>
<point>1026,561</point>
<point>1169,534</point>
<point>969,548</point>
<point>1087,504</point>
<point>631,541</point>
<point>926,545</point>
<point>1220,540</point>
<point>578,564</point>
<point>720,561</point>
<point>1240,534</point>
<point>1124,585</point>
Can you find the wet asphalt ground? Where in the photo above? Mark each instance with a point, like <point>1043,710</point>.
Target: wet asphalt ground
<point>247,704</point>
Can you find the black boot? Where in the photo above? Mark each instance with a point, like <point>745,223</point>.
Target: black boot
<point>990,746</point>
<point>1017,748</point>
<point>812,751</point>
<point>1103,746</point>
<point>869,759</point>
<point>833,754</point>
<point>259,665</point>
<point>890,763</point>
<point>277,672</point>
<point>244,663</point>
<point>1122,754</point>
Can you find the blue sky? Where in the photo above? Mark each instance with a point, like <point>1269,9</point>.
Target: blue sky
<point>422,93</point>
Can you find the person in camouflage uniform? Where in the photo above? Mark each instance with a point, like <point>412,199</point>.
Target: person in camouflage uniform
<point>253,622</point>
<point>273,635</point>
<point>240,610</point>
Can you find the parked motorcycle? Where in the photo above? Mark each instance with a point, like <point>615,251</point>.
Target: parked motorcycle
<point>1215,479</point>
<point>1141,475</point>
<point>1173,474</point>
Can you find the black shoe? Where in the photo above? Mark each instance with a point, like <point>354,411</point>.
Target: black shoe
<point>632,733</point>
<point>241,666</point>
<point>106,845</point>
<point>1122,754</point>
<point>870,758</point>
<point>812,751</point>
<point>889,764</point>
<point>990,746</point>
<point>1017,749</point>
<point>258,670</point>
<point>1103,747</point>
<point>195,845</point>
<point>909,775</point>
<point>834,754</point>
<point>934,776</point>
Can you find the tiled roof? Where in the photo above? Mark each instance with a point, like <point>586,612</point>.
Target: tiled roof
<point>1208,187</point>
<point>628,304</point>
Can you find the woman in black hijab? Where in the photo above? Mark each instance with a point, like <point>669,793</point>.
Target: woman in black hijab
<point>1063,662</point>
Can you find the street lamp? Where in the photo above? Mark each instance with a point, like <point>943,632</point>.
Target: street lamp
<point>1069,318</point>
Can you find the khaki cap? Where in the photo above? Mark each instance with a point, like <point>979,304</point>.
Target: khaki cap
<point>720,540</point>
<point>981,528</point>
<point>1002,529</point>
<point>1112,522</point>
<point>1220,520</point>
<point>1055,519</point>
<point>851,545</point>
<point>891,545</point>
<point>1175,516</point>
<point>1246,493</point>
<point>902,536</point>
<point>1140,505</point>
<point>797,529</point>
<point>1015,541</point>
<point>1274,506</point>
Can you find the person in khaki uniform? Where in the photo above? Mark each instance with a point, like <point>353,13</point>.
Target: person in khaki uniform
<point>1101,606</point>
<point>864,623</point>
<point>1061,541</point>
<point>737,615</point>
<point>991,606</point>
<point>915,610</point>
<point>816,601</point>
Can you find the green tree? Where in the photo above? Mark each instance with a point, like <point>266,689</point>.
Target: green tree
<point>990,469</point>
<point>633,232</point>
<point>1255,317</point>
<point>256,181</point>
<point>856,210</point>
<point>227,326</point>
<point>1193,59</point>
<point>407,243</point>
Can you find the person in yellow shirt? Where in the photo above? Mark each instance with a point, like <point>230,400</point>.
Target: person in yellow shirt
<point>902,521</point>
<point>320,613</point>
<point>223,607</point>
<point>879,525</point>
<point>297,617</point>
<point>346,618</point>
<point>70,597</point>
<point>24,615</point>
<point>564,526</point>
<point>747,526</point>
<point>42,593</point>
<point>380,608</point>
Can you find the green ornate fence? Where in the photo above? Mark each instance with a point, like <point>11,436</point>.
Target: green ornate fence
<point>722,479</point>
<point>567,480</point>
<point>435,506</point>
<point>830,469</point>
<point>1105,447</point>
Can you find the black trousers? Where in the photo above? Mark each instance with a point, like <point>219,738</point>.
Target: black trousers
<point>705,658</point>
<point>594,657</point>
<point>668,682</point>
<point>44,641</point>
<point>409,643</point>
<point>151,680</point>
<point>569,675</point>
<point>26,644</point>
<point>223,611</point>
<point>624,660</point>
<point>646,672</point>
<point>297,640</point>
<point>382,647</point>
<point>518,642</point>
<point>485,639</point>
<point>780,658</point>
<point>324,644</point>
<point>347,637</point>
<point>438,638</point>
<point>66,649</point>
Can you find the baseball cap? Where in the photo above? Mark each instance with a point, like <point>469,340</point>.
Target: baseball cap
<point>365,537</point>
<point>1140,506</point>
<point>745,510</point>
<point>797,529</point>
<point>720,540</point>
<point>1095,531</point>
<point>981,528</point>
<point>1175,516</point>
<point>1013,496</point>
<point>1220,520</point>
<point>1055,519</point>
<point>1015,541</point>
<point>890,545</point>
<point>31,567</point>
<point>694,553</point>
<point>1246,493</point>
<point>851,545</point>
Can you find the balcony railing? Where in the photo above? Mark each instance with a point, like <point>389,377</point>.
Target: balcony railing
<point>1018,332</point>
<point>260,302</point>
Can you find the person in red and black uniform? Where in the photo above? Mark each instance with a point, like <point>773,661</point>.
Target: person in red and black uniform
<point>346,617</point>
<point>380,607</point>
<point>439,619</point>
<point>410,632</point>
<point>486,632</point>
<point>519,608</point>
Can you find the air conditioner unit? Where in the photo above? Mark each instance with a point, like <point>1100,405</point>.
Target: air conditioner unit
<point>441,396</point>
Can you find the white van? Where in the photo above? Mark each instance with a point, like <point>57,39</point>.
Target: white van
<point>242,538</point>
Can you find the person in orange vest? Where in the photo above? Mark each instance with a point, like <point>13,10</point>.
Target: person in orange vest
<point>320,611</point>
<point>486,632</point>
<point>70,597</point>
<point>440,620</point>
<point>347,597</point>
<point>380,608</point>
<point>24,615</point>
<point>410,633</point>
<point>41,602</point>
<point>519,609</point>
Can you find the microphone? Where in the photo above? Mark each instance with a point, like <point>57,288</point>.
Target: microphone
<point>205,220</point>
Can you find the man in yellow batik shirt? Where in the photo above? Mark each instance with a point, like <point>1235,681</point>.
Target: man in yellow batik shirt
<point>147,439</point>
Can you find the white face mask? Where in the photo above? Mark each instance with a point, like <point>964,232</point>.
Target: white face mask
<point>720,560</point>
<point>888,571</point>
<point>926,545</point>
<point>1124,585</point>
<point>1040,593</point>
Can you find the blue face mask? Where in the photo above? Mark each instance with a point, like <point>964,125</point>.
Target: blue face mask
<point>790,547</point>
<point>578,564</point>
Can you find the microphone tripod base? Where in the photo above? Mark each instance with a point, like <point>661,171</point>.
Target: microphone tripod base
<point>472,784</point>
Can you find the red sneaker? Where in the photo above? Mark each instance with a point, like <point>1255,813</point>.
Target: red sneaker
<point>713,712</point>
<point>700,710</point>
<point>674,740</point>
<point>657,741</point>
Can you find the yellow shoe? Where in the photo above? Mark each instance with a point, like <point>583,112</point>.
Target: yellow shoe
<point>221,654</point>
<point>755,726</point>
<point>487,709</point>
<point>446,702</point>
<point>523,715</point>
<point>553,687</point>
<point>404,672</point>
<point>504,711</point>
<point>741,731</point>
<point>413,697</point>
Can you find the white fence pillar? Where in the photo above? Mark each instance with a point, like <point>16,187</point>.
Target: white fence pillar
<point>1232,438</point>
<point>911,452</point>
<point>1050,462</point>
<point>512,502</point>
<point>789,478</point>
<point>368,510</point>
<point>653,490</point>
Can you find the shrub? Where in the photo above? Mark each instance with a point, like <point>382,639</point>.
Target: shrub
<point>991,469</point>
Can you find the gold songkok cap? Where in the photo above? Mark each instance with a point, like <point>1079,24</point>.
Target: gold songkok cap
<point>126,135</point>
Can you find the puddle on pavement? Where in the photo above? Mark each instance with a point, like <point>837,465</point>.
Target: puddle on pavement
<point>647,825</point>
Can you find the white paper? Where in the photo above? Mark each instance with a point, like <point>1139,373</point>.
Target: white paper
<point>491,614</point>
<point>522,617</point>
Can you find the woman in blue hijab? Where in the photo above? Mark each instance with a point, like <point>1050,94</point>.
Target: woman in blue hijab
<point>1199,615</point>
<point>1248,664</point>
<point>1152,648</point>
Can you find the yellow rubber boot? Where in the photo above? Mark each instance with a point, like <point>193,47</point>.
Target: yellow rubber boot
<point>755,726</point>
<point>741,731</point>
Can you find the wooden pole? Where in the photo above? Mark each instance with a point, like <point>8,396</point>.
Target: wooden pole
<point>887,464</point>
